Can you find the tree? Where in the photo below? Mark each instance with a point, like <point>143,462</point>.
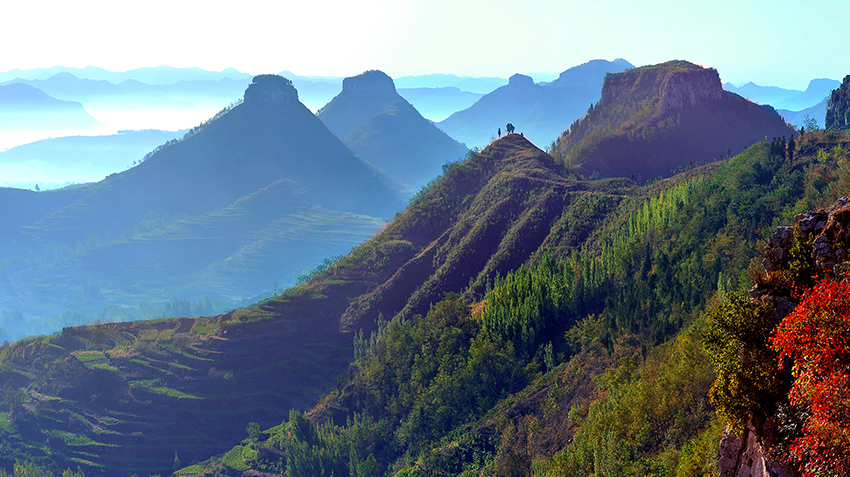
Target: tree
<point>815,338</point>
<point>510,128</point>
<point>253,430</point>
<point>791,146</point>
<point>37,188</point>
<point>500,132</point>
<point>811,124</point>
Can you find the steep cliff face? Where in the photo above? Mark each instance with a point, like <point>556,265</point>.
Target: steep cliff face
<point>669,86</point>
<point>838,106</point>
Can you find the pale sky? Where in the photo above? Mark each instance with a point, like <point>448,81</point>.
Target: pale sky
<point>769,42</point>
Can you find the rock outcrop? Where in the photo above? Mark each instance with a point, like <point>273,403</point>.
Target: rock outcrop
<point>520,80</point>
<point>271,89</point>
<point>370,82</point>
<point>827,229</point>
<point>838,107</point>
<point>745,456</point>
<point>691,88</point>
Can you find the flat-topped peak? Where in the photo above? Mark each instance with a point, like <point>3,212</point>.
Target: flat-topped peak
<point>372,81</point>
<point>270,89</point>
<point>520,80</point>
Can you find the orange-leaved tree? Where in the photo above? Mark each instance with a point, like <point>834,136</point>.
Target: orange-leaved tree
<point>815,338</point>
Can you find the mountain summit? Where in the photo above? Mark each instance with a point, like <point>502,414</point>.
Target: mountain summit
<point>371,118</point>
<point>656,119</point>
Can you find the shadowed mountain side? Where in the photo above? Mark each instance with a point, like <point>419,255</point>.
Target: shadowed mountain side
<point>654,120</point>
<point>401,142</point>
<point>540,111</point>
<point>385,130</point>
<point>231,253</point>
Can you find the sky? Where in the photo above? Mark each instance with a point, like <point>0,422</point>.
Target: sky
<point>769,42</point>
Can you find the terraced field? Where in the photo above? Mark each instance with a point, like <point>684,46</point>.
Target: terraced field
<point>127,397</point>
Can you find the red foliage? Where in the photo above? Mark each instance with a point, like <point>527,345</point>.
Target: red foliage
<point>816,338</point>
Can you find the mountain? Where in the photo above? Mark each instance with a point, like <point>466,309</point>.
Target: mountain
<point>539,111</point>
<point>79,158</point>
<point>384,129</point>
<point>24,107</point>
<point>656,119</point>
<point>258,193</point>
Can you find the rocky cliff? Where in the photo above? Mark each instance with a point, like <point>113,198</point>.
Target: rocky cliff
<point>838,106</point>
<point>370,82</point>
<point>814,247</point>
<point>271,89</point>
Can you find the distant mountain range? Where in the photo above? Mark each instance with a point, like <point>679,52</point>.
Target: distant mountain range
<point>790,99</point>
<point>257,194</point>
<point>24,107</point>
<point>384,129</point>
<point>161,75</point>
<point>541,111</point>
<point>78,158</point>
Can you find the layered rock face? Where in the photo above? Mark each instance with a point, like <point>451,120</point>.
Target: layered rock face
<point>829,229</point>
<point>838,107</point>
<point>679,84</point>
<point>689,89</point>
<point>370,82</point>
<point>270,89</point>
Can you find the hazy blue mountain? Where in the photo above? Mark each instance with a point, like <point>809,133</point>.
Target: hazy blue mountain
<point>816,92</point>
<point>786,99</point>
<point>260,192</point>
<point>798,118</point>
<point>151,75</point>
<point>437,104</point>
<point>480,85</point>
<point>78,158</point>
<point>772,95</point>
<point>384,129</point>
<point>540,111</point>
<point>23,107</point>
